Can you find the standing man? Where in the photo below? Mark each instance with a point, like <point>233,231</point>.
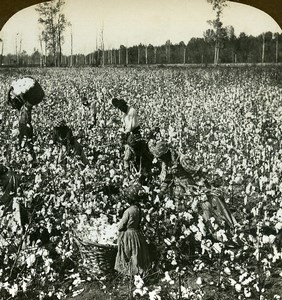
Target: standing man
<point>135,148</point>
<point>22,95</point>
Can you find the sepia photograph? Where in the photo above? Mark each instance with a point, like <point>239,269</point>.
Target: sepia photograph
<point>140,150</point>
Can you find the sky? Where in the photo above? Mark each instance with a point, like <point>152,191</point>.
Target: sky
<point>130,22</point>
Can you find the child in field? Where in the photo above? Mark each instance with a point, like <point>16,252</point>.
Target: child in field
<point>63,135</point>
<point>133,256</point>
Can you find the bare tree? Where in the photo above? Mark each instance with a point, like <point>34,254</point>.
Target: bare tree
<point>17,51</point>
<point>138,55</point>
<point>263,48</point>
<point>126,56</point>
<point>167,49</point>
<point>71,58</point>
<point>146,54</point>
<point>102,45</point>
<point>41,48</point>
<point>43,38</point>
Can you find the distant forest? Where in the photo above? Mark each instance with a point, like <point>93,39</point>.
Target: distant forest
<point>265,48</point>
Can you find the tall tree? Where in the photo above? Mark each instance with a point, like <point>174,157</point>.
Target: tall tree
<point>35,57</point>
<point>217,6</point>
<point>209,38</point>
<point>102,45</point>
<point>167,45</point>
<point>230,42</point>
<point>54,24</point>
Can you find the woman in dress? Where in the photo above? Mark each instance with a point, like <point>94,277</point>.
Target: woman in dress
<point>133,256</point>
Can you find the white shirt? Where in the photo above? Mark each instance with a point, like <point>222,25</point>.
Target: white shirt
<point>130,120</point>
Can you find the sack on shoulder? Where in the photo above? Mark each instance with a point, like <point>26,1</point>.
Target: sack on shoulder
<point>25,90</point>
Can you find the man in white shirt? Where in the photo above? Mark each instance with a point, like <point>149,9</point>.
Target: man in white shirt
<point>130,118</point>
<point>131,134</point>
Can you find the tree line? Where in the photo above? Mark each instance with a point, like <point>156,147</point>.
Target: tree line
<point>264,48</point>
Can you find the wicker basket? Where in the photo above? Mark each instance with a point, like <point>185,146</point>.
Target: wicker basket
<point>94,254</point>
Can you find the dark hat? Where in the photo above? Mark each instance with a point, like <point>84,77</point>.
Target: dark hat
<point>3,169</point>
<point>118,102</point>
<point>85,101</point>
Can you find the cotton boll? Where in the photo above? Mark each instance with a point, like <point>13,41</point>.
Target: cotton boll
<point>217,247</point>
<point>112,173</point>
<point>13,291</point>
<point>247,292</point>
<point>30,260</point>
<point>198,236</point>
<point>232,281</point>
<point>227,271</point>
<point>238,287</point>
<point>279,215</point>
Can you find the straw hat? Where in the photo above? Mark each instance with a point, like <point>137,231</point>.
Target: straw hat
<point>118,102</point>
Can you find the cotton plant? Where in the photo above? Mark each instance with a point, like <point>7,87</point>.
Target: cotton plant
<point>231,144</point>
